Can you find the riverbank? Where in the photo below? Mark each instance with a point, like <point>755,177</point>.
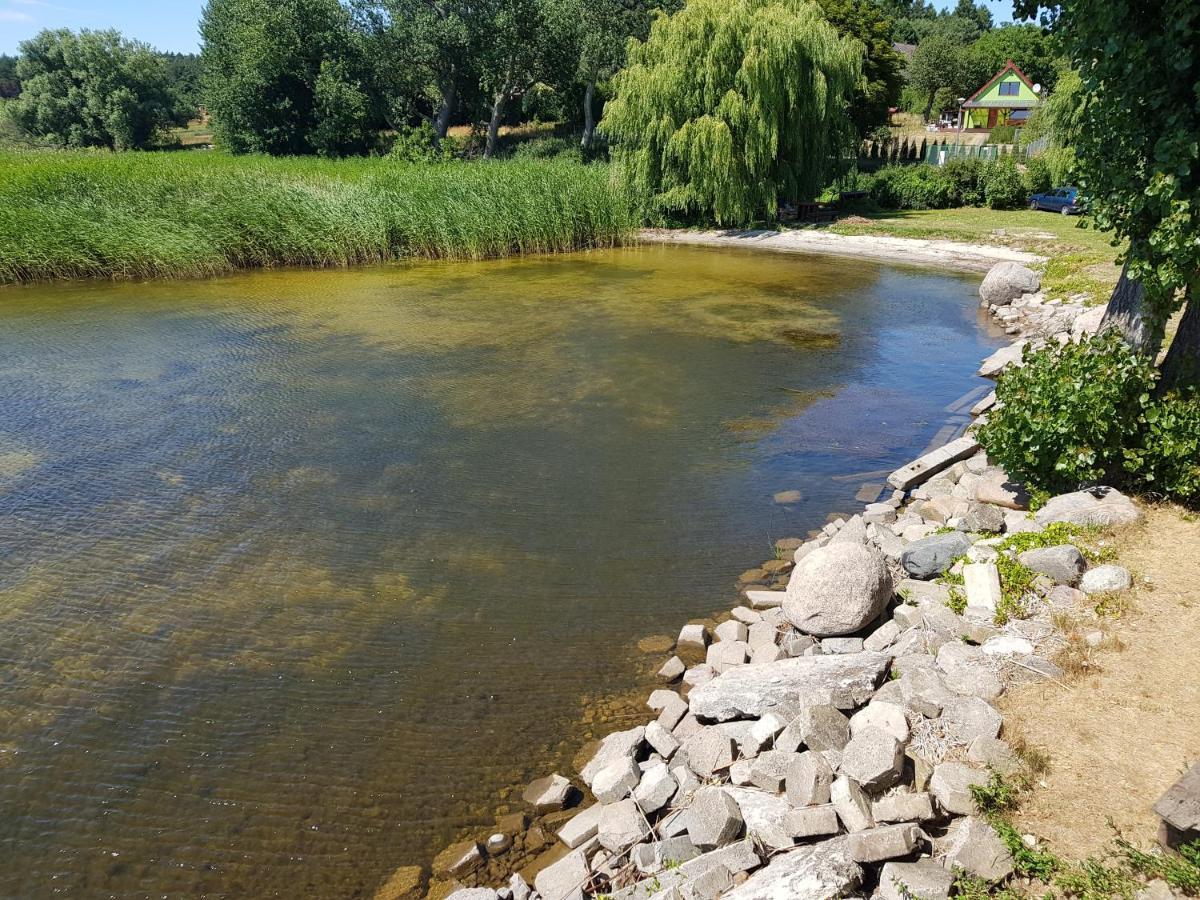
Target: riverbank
<point>176,215</point>
<point>948,254</point>
<point>911,769</point>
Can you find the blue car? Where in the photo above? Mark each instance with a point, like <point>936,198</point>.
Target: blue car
<point>1060,200</point>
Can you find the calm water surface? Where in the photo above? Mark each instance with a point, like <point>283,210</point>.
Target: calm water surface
<point>300,570</point>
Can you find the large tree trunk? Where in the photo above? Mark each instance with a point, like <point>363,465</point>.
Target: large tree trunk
<point>1181,368</point>
<point>1127,313</point>
<point>589,118</point>
<point>493,132</point>
<point>449,94</point>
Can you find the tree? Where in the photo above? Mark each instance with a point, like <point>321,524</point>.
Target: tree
<point>184,71</point>
<point>939,64</point>
<point>1027,45</point>
<point>10,84</point>
<point>1138,157</point>
<point>263,60</point>
<point>977,14</point>
<point>342,120</point>
<point>882,66</point>
<point>730,106</point>
<point>93,89</point>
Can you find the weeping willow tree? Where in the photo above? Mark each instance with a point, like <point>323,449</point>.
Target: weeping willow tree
<point>731,106</point>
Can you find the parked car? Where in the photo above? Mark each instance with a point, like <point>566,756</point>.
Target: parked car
<point>1063,200</point>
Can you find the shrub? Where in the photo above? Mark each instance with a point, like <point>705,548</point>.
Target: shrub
<point>415,144</point>
<point>1038,179</point>
<point>1002,134</point>
<point>547,148</point>
<point>1167,460</point>
<point>967,175</point>
<point>1004,188</point>
<point>1069,413</point>
<point>913,187</point>
<point>1061,162</point>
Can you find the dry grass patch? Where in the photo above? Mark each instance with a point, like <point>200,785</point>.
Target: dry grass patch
<point>1122,732</point>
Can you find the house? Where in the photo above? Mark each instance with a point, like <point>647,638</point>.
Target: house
<point>1007,99</point>
<point>905,50</point>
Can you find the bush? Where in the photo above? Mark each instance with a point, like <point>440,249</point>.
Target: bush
<point>1167,460</point>
<point>1069,413</point>
<point>913,187</point>
<point>547,148</point>
<point>415,144</point>
<point>1004,187</point>
<point>967,175</point>
<point>1061,162</point>
<point>1038,179</point>
<point>1002,134</point>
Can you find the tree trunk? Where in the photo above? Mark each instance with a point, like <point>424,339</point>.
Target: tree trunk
<point>1181,368</point>
<point>449,93</point>
<point>493,132</point>
<point>1126,312</point>
<point>589,119</point>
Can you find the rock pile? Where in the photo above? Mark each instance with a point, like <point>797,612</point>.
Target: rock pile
<point>827,737</point>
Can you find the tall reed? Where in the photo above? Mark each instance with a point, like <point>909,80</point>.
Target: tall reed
<point>151,215</point>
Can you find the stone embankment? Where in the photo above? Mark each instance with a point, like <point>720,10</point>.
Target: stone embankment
<point>824,740</point>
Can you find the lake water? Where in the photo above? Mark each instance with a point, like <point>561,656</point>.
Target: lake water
<point>300,571</point>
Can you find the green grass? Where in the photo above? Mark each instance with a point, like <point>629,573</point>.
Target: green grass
<point>1080,259</point>
<point>152,215</point>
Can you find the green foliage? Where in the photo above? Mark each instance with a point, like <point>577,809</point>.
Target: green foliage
<point>418,144</point>
<point>10,84</point>
<point>1167,459</point>
<point>547,148</point>
<point>1016,582</point>
<point>940,64</point>
<point>1002,134</point>
<point>1068,413</point>
<point>1122,875</point>
<point>93,89</point>
<point>1058,118</point>
<point>882,66</point>
<point>1005,187</point>
<point>729,107</point>
<point>1028,45</point>
<point>1027,862</point>
<point>285,77</point>
<point>914,187</point>
<point>152,215</point>
<point>1055,534</point>
<point>1038,177</point>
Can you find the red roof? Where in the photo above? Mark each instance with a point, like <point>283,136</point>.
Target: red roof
<point>1009,66</point>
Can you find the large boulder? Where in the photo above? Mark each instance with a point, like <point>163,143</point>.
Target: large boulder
<point>838,589</point>
<point>845,680</point>
<point>1103,506</point>
<point>815,872</point>
<point>1006,281</point>
<point>1063,563</point>
<point>933,555</point>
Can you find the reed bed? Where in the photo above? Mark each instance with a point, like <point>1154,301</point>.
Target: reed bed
<point>166,215</point>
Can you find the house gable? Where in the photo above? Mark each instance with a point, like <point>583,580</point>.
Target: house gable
<point>1009,88</point>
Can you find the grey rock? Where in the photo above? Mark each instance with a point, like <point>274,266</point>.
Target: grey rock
<point>1063,597</point>
<point>656,788</point>
<point>820,727</point>
<point>709,751</point>
<point>548,794</point>
<point>883,636</point>
<point>873,758</point>
<point>852,805</point>
<point>766,654</point>
<point>1157,889</point>
<point>884,842</point>
<point>582,827</point>
<point>479,893</point>
<point>1006,282</point>
<point>662,741</point>
<point>761,634</point>
<point>618,745</point>
<point>1096,506</point>
<point>692,637</point>
<point>812,821</point>
<point>951,786</point>
<point>1064,563</point>
<point>916,807</point>
<point>1004,358</point>
<point>994,753</point>
<point>687,726</point>
<point>731,630</point>
<point>658,855</point>
<point>621,825</point>
<point>725,655</point>
<point>983,517</point>
<point>925,692</point>
<point>809,777</point>
<point>973,845</point>
<point>1103,579</point>
<point>710,885</point>
<point>741,771</point>
<point>814,872</point>
<point>933,555</point>
<point>879,714</point>
<point>973,717</point>
<point>498,843</point>
<point>671,670</point>
<point>459,859</point>
<point>921,880</point>
<point>763,813</point>
<point>770,769</point>
<point>1179,807</point>
<point>746,616</point>
<point>765,599</point>
<point>714,818</point>
<point>565,879</point>
<point>519,887</point>
<point>838,589</point>
<point>671,708</point>
<point>842,645</point>
<point>734,859</point>
<point>853,532</point>
<point>845,681</point>
<point>615,781</point>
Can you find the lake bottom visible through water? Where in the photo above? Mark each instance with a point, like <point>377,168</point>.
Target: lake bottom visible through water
<point>304,574</point>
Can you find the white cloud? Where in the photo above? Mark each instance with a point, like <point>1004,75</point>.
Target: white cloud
<point>14,15</point>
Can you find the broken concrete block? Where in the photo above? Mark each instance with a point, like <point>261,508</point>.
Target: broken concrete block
<point>566,879</point>
<point>884,842</point>
<point>921,880</point>
<point>709,751</point>
<point>656,788</point>
<point>852,805</point>
<point>770,769</point>
<point>671,670</point>
<point>548,794</point>
<point>809,776</point>
<point>811,821</point>
<point>874,759</point>
<point>951,786</point>
<point>888,717</point>
<point>903,808</point>
<point>621,825</point>
<point>616,781</point>
<point>582,827</point>
<point>973,845</point>
<point>714,818</point>
<point>814,872</point>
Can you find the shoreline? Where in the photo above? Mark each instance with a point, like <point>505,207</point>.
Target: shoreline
<point>556,807</point>
<point>944,254</point>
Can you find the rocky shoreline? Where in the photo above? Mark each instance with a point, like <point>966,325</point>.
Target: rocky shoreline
<point>828,737</point>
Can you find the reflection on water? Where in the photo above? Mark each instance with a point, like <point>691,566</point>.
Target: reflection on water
<point>299,570</point>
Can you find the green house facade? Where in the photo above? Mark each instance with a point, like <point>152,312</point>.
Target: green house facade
<point>1007,99</point>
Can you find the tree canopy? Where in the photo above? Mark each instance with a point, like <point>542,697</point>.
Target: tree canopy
<point>10,84</point>
<point>882,66</point>
<point>93,89</point>
<point>728,107</point>
<point>1027,45</point>
<point>285,77</point>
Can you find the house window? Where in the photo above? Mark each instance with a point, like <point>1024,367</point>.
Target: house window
<point>1009,88</point>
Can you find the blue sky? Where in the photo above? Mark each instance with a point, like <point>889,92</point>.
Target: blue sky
<point>166,24</point>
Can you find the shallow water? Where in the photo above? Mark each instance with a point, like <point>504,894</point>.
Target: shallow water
<point>300,570</point>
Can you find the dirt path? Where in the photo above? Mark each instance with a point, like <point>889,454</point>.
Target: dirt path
<point>1118,739</point>
<point>952,254</point>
